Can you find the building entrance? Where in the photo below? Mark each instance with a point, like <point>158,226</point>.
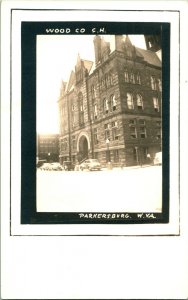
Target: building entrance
<point>83,149</point>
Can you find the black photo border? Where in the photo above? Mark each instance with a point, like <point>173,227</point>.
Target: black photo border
<point>29,31</point>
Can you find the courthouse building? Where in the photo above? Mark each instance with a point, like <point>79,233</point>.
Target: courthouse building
<point>111,110</point>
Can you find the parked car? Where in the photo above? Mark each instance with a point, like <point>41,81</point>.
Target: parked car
<point>90,164</point>
<point>158,158</point>
<point>46,167</point>
<point>56,166</point>
<point>68,166</point>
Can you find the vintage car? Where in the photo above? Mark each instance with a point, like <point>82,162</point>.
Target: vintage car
<point>90,164</point>
<point>68,165</point>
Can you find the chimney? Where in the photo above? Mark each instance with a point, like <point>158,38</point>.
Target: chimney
<point>119,42</point>
<point>97,47</point>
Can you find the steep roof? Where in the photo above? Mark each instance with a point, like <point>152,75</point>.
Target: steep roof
<point>87,64</point>
<point>149,56</point>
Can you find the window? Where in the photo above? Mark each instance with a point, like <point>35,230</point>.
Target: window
<point>138,79</point>
<point>153,83</point>
<point>133,133</point>
<point>143,132</point>
<point>139,101</point>
<point>95,134</point>
<point>156,104</point>
<point>158,123</point>
<point>81,109</point>
<point>158,134</point>
<point>130,101</point>
<point>111,79</point>
<point>132,79</point>
<point>95,111</point>
<point>159,85</point>
<point>126,76</point>
<point>115,131</point>
<point>113,102</point>
<point>142,122</point>
<point>116,155</point>
<point>107,131</point>
<point>105,106</point>
<point>132,122</point>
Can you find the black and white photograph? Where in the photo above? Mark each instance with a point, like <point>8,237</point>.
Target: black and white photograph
<point>94,149</point>
<point>94,122</point>
<point>99,123</point>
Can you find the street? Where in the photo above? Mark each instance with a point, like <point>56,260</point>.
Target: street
<point>128,190</point>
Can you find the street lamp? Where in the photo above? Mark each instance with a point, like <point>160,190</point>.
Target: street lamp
<point>108,150</point>
<point>49,156</point>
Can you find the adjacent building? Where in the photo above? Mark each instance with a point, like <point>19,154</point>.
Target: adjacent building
<point>111,110</point>
<point>48,147</point>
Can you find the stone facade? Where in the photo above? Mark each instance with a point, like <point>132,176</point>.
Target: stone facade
<point>112,111</point>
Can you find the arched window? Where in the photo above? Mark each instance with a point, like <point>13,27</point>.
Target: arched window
<point>105,106</point>
<point>139,101</point>
<point>113,102</point>
<point>156,104</point>
<point>126,76</point>
<point>130,103</point>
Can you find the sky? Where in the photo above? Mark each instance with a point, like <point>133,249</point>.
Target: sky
<point>56,57</point>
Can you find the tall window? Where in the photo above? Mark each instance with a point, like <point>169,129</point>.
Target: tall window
<point>139,101</point>
<point>130,101</point>
<point>143,132</point>
<point>158,133</point>
<point>126,76</point>
<point>107,131</point>
<point>153,83</point>
<point>156,104</point>
<point>95,111</point>
<point>159,85</point>
<point>132,78</point>
<point>138,79</point>
<point>81,109</point>
<point>95,136</point>
<point>113,102</point>
<point>105,106</point>
<point>133,132</point>
<point>115,130</point>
